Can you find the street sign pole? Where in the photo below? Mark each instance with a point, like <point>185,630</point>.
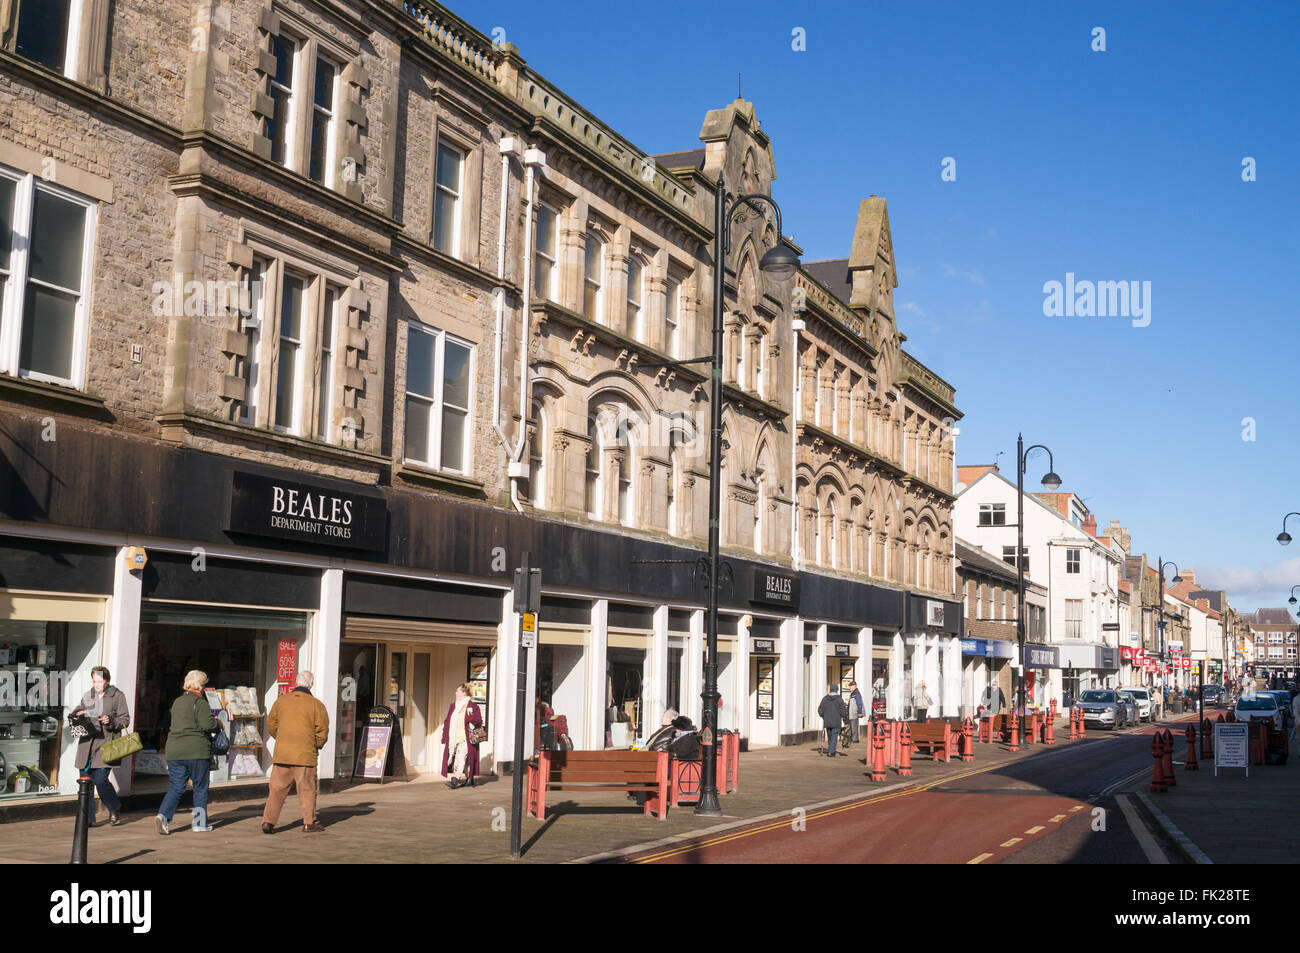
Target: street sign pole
<point>527,599</point>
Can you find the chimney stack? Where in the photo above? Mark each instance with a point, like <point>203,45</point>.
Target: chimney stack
<point>1090,525</point>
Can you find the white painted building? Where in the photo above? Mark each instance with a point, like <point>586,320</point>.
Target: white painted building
<point>1061,550</point>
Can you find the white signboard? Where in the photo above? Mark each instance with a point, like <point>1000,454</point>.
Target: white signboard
<point>1231,746</point>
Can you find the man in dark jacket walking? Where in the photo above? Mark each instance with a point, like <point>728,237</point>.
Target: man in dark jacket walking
<point>833,713</point>
<point>857,708</point>
<point>300,726</point>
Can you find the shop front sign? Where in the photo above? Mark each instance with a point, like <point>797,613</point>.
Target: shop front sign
<point>775,588</point>
<point>765,645</point>
<point>842,650</point>
<point>766,689</point>
<point>1042,656</point>
<point>305,513</point>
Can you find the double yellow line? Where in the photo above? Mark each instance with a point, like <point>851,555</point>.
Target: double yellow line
<point>817,815</point>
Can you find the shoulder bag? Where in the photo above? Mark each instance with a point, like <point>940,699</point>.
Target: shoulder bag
<point>120,747</point>
<point>220,740</point>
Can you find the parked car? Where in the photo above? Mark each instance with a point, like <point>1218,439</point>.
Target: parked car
<point>1214,695</point>
<point>1132,715</point>
<point>1283,702</point>
<point>1146,707</point>
<point>1104,707</point>
<point>1260,706</point>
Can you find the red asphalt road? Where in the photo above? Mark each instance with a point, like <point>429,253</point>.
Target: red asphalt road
<point>909,827</point>
<point>913,826</point>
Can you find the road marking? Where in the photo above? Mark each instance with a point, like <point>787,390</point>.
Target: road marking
<point>1035,829</point>
<point>1077,807</point>
<point>980,859</point>
<point>1153,853</point>
<point>1014,840</point>
<point>1057,819</point>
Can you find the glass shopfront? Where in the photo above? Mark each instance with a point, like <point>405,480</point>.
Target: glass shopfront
<point>626,674</point>
<point>243,651</point>
<point>561,681</point>
<point>48,645</point>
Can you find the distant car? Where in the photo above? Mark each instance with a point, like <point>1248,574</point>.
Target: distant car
<point>1214,694</point>
<point>1104,707</point>
<point>1260,706</point>
<point>1146,707</point>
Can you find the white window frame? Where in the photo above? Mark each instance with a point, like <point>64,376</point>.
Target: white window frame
<point>72,39</point>
<point>760,365</point>
<point>672,316</point>
<point>304,337</point>
<point>292,134</point>
<point>549,293</point>
<point>327,349</point>
<point>598,305</point>
<point>434,450</point>
<point>636,305</point>
<point>1078,631</point>
<point>1076,560</point>
<point>458,196</point>
<point>537,461</point>
<point>331,127</point>
<point>253,326</point>
<point>15,287</point>
<point>594,477</point>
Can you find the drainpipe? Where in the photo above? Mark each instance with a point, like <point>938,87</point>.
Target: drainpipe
<point>797,325</point>
<point>508,147</point>
<point>533,159</point>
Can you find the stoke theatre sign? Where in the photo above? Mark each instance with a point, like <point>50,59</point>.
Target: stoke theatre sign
<point>305,513</point>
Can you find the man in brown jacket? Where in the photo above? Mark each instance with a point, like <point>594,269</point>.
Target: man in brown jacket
<point>300,726</point>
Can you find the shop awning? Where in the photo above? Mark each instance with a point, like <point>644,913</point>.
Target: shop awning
<point>379,629</point>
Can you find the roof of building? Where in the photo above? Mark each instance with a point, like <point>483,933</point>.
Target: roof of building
<point>1126,585</point>
<point>833,273</point>
<point>1270,617</point>
<point>686,159</point>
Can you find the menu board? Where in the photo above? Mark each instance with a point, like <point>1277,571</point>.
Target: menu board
<point>766,679</point>
<point>377,738</point>
<point>476,677</point>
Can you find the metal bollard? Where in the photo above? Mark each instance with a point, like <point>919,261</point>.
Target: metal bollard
<point>878,751</point>
<point>1170,780</point>
<point>905,752</point>
<point>1207,739</point>
<point>1190,735</point>
<point>1015,733</point>
<point>85,797</point>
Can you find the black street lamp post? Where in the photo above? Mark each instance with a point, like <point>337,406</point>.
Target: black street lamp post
<point>1160,622</point>
<point>1050,482</point>
<point>780,263</point>
<point>1284,537</point>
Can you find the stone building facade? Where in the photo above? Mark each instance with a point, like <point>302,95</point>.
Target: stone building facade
<point>316,316</point>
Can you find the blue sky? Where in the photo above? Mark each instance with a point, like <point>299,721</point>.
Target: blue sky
<point>1122,165</point>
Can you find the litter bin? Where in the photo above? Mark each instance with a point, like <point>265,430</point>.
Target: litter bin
<point>1176,706</point>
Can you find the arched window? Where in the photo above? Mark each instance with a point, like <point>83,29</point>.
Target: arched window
<point>593,484</point>
<point>537,457</point>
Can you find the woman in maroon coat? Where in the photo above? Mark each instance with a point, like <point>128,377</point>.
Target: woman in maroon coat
<point>459,754</point>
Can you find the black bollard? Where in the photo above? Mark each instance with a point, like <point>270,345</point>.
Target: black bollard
<point>85,797</point>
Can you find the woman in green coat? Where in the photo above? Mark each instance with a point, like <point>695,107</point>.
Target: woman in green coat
<point>189,752</point>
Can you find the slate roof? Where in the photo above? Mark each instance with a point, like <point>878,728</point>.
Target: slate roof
<point>1271,617</point>
<point>686,159</point>
<point>833,273</point>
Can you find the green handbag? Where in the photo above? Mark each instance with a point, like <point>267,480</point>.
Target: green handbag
<point>121,747</point>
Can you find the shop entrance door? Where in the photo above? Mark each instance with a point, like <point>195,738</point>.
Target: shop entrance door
<point>408,682</point>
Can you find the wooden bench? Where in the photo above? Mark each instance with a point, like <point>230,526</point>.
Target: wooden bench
<point>636,772</point>
<point>935,737</point>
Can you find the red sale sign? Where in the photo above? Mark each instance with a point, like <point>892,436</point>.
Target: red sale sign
<point>286,664</point>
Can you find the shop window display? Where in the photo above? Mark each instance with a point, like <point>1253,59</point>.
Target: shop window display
<point>238,649</point>
<point>625,699</point>
<point>44,671</point>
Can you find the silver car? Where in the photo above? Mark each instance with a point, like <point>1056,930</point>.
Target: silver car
<point>1142,700</point>
<point>1104,707</point>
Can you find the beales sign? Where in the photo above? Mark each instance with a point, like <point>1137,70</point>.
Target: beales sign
<point>305,513</point>
<point>776,588</point>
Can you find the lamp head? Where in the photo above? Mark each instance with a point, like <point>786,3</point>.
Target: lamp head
<point>780,262</point>
<point>1284,537</point>
<point>1051,481</point>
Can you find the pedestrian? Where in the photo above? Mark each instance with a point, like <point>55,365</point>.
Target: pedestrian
<point>992,701</point>
<point>105,705</point>
<point>662,738</point>
<point>459,752</point>
<point>833,713</point>
<point>300,726</point>
<point>857,709</point>
<point>921,701</point>
<point>1158,700</point>
<point>189,753</point>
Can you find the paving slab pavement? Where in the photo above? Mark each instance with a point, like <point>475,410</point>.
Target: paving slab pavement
<point>422,821</point>
<point>1232,818</point>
